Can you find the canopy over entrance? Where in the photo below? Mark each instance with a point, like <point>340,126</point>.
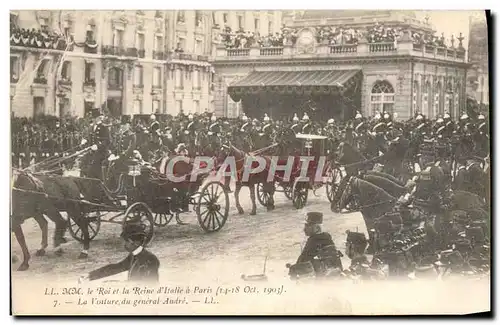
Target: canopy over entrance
<point>280,94</point>
<point>293,82</point>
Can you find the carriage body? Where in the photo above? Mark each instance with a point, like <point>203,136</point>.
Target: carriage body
<point>312,146</point>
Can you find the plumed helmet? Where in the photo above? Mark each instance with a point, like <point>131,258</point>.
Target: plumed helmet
<point>190,116</point>
<point>446,115</point>
<point>464,116</point>
<point>481,117</point>
<point>244,118</point>
<point>266,118</point>
<point>152,117</point>
<point>213,118</point>
<point>331,121</point>
<point>295,117</point>
<point>358,115</point>
<point>305,117</point>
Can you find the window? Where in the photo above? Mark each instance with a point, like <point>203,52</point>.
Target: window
<point>270,27</point>
<point>382,97</point>
<point>140,41</point>
<point>138,76</point>
<point>68,28</point>
<point>43,69</point>
<point>181,43</point>
<point>66,70</point>
<point>38,105</point>
<point>457,97</point>
<point>240,22</point>
<point>426,98</point>
<point>198,47</point>
<point>179,78</point>
<point>157,77</point>
<point>257,24</point>
<point>448,102</point>
<point>87,107</point>
<point>416,96</point>
<point>196,79</point>
<point>14,69</point>
<point>115,78</point>
<point>224,18</point>
<point>181,17</point>
<point>159,43</point>
<point>64,107</point>
<point>138,106</point>
<point>439,100</point>
<point>44,24</point>
<point>118,38</point>
<point>89,72</point>
<point>178,106</point>
<point>198,18</point>
<point>196,106</point>
<point>156,106</point>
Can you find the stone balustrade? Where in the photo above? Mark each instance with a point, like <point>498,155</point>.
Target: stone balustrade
<point>361,49</point>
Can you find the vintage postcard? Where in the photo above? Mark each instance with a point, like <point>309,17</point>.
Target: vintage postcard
<point>265,162</point>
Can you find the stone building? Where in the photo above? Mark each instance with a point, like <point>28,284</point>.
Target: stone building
<point>478,77</point>
<point>337,74</point>
<point>125,62</point>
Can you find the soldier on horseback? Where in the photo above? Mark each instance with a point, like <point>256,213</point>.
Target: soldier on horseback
<point>295,126</point>
<point>306,124</point>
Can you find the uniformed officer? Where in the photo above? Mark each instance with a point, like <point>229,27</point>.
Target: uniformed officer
<point>317,239</point>
<point>247,126</point>
<point>191,127</point>
<point>267,129</point>
<point>154,125</point>
<point>295,125</point>
<point>141,264</point>
<point>306,124</point>
<point>214,128</point>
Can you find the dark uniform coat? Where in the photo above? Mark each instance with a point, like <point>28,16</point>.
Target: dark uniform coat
<point>314,245</point>
<point>142,267</point>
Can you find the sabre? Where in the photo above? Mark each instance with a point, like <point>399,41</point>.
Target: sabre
<point>58,160</point>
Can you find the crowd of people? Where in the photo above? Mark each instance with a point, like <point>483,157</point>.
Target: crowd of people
<point>37,38</point>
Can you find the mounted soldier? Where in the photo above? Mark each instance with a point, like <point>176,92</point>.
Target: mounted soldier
<point>267,129</point>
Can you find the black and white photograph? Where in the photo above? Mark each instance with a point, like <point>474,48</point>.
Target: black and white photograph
<point>250,162</point>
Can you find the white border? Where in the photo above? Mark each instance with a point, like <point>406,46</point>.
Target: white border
<point>186,4</point>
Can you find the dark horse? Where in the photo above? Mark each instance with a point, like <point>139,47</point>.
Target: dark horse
<point>37,195</point>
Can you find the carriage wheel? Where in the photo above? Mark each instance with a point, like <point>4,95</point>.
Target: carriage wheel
<point>162,219</point>
<point>94,224</point>
<point>300,192</point>
<point>287,189</point>
<point>139,213</point>
<point>331,184</point>
<point>212,208</point>
<point>262,195</point>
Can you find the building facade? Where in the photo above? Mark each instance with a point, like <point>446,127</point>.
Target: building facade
<point>367,72</point>
<point>478,78</point>
<point>125,62</point>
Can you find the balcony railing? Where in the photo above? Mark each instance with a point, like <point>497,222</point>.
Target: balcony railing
<point>65,82</point>
<point>132,51</point>
<point>351,48</point>
<point>341,50</point>
<point>238,52</point>
<point>89,83</point>
<point>40,80</point>
<point>271,51</point>
<point>115,86</point>
<point>114,50</point>
<point>141,53</point>
<point>158,55</point>
<point>382,47</point>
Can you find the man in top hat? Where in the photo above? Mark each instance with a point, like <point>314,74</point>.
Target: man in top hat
<point>128,139</point>
<point>142,265</point>
<point>100,142</point>
<point>317,239</point>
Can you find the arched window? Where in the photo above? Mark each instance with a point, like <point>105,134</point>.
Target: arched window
<point>66,70</point>
<point>437,100</point>
<point>448,100</point>
<point>115,78</point>
<point>426,98</point>
<point>416,96</point>
<point>382,97</point>
<point>42,72</point>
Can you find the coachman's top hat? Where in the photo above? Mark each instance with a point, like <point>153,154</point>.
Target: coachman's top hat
<point>314,218</point>
<point>134,232</point>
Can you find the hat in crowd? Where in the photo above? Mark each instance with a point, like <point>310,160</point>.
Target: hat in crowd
<point>96,113</point>
<point>480,117</point>
<point>358,115</point>
<point>126,119</point>
<point>266,118</point>
<point>331,121</point>
<point>134,232</point>
<point>356,237</point>
<point>314,218</point>
<point>446,115</point>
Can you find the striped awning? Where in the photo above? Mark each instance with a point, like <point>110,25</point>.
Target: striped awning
<point>330,78</point>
